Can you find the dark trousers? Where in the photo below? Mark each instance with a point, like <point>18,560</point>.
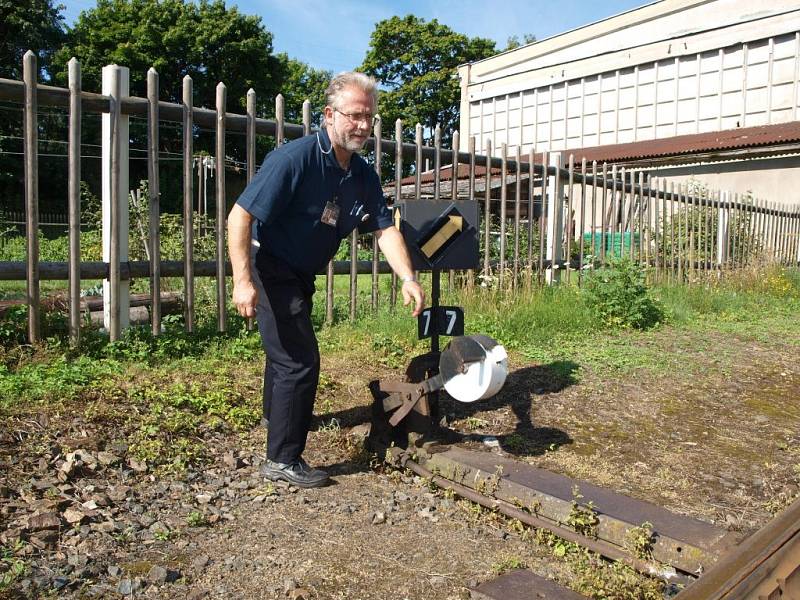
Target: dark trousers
<point>291,371</point>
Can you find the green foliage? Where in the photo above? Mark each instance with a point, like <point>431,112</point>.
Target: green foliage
<point>415,63</point>
<point>208,41</point>
<point>582,517</point>
<point>35,25</point>
<point>196,519</point>
<point>12,567</point>
<point>508,563</point>
<point>302,82</point>
<point>513,41</point>
<point>689,232</point>
<point>619,295</point>
<point>639,540</point>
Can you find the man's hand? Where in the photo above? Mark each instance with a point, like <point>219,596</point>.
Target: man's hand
<point>245,298</point>
<point>412,290</point>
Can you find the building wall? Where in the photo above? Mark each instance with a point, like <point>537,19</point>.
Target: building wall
<point>670,68</point>
<point>756,177</point>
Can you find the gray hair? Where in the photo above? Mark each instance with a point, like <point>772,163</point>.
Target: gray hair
<point>350,79</point>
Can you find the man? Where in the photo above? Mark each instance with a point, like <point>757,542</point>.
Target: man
<point>308,196</point>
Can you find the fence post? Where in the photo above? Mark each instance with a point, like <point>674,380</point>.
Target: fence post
<point>30,71</point>
<point>722,231</point>
<point>116,291</point>
<point>555,220</point>
<point>74,200</point>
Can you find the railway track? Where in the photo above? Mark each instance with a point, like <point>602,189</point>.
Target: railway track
<point>708,562</point>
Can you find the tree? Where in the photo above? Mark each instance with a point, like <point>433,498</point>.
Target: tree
<point>514,42</point>
<point>300,82</point>
<point>32,25</point>
<point>415,63</point>
<point>207,41</point>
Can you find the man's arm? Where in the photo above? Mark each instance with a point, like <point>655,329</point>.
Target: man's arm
<point>393,246</point>
<point>245,296</point>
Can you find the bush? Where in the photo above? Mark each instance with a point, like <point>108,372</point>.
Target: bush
<point>618,294</point>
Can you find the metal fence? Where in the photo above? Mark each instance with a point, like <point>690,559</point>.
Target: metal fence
<point>545,218</point>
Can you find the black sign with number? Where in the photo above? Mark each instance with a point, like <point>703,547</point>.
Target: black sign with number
<point>442,320</point>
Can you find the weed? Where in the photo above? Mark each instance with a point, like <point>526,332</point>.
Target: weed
<point>11,566</point>
<point>639,540</point>
<point>582,517</point>
<point>196,519</point>
<point>508,563</point>
<point>618,294</point>
<point>475,423</point>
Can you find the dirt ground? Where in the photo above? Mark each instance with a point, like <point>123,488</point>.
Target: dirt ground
<point>713,433</point>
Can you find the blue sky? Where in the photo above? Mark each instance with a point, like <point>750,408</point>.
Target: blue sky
<point>334,34</point>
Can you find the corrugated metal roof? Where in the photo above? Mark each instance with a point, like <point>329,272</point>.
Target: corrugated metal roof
<point>682,145</point>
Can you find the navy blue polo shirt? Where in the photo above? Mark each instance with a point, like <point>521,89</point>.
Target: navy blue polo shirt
<point>289,193</point>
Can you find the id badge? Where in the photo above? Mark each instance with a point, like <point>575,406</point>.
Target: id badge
<point>330,214</point>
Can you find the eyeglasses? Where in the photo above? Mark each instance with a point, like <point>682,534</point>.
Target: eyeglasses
<point>358,117</point>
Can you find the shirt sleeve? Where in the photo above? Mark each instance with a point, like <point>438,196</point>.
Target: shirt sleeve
<point>380,217</point>
<point>270,191</point>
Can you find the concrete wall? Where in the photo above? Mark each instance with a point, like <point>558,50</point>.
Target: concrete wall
<point>669,68</point>
<point>772,179</point>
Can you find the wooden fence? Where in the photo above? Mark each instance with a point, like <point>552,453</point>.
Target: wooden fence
<point>545,217</point>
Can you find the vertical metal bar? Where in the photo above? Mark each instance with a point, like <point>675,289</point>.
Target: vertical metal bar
<point>517,206</point>
<point>30,150</point>
<point>570,210</point>
<point>603,216</point>
<point>222,93</point>
<point>531,211</point>
<point>251,158</point>
<point>437,162</point>
<point>614,210</point>
<point>153,188</point>
<point>378,155</point>
<point>594,211</point>
<point>454,169</point>
<point>398,185</point>
<point>114,209</point>
<point>632,214</point>
<point>582,221</point>
<point>722,230</point>
<point>306,117</point>
<point>353,274</point>
<point>251,134</point>
<point>418,162</point>
<point>542,217</point>
<point>487,209</point>
<point>773,207</point>
<point>640,206</point>
<point>503,210</point>
<point>74,200</point>
<point>555,219</point>
<point>739,237</point>
<point>471,196</point>
<point>471,150</point>
<point>188,229</point>
<point>454,191</point>
<point>279,121</point>
<point>672,249</point>
<point>732,225</point>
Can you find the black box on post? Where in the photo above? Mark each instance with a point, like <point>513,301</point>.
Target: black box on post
<point>440,234</point>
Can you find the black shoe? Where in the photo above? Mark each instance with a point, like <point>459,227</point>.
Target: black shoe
<point>297,473</point>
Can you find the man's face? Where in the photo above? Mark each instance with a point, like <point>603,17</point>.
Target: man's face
<point>349,124</point>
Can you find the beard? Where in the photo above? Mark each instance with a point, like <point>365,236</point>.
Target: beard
<point>351,141</point>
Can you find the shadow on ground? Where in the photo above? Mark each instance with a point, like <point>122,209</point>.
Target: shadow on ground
<point>518,393</point>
